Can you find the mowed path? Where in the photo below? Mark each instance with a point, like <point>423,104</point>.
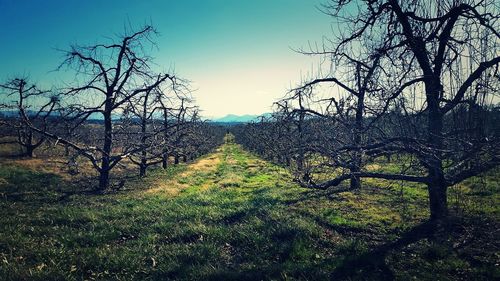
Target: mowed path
<point>241,218</point>
<point>227,216</point>
<point>201,168</point>
<point>228,166</point>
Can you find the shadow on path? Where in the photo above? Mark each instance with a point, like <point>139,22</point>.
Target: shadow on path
<point>373,264</point>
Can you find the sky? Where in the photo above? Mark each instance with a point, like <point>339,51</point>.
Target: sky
<point>238,54</point>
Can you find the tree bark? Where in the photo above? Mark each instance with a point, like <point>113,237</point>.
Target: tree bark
<point>26,141</point>
<point>30,151</point>
<point>438,200</point>
<point>164,156</point>
<point>142,170</point>
<point>104,177</point>
<point>355,182</point>
<point>300,158</point>
<point>108,140</point>
<point>437,186</point>
<point>144,124</point>
<point>164,160</point>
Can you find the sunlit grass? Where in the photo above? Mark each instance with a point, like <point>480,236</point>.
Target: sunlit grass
<point>227,216</point>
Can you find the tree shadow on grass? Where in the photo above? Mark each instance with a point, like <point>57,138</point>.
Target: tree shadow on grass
<point>371,265</point>
<point>18,184</point>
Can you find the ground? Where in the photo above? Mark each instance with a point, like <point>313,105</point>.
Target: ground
<point>232,216</point>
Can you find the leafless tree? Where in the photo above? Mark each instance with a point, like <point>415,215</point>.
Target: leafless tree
<point>347,109</point>
<point>139,130</point>
<point>429,71</point>
<point>20,98</point>
<point>161,123</point>
<point>446,50</point>
<point>113,74</point>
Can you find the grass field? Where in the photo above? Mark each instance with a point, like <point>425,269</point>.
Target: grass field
<point>233,216</point>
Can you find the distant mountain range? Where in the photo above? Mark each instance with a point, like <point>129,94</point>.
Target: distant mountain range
<point>232,118</point>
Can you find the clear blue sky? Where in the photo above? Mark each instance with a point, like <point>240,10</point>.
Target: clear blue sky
<point>237,53</point>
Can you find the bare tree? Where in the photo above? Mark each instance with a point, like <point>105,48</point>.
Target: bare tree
<point>424,47</point>
<point>156,123</point>
<point>428,71</point>
<point>22,98</point>
<point>140,131</point>
<point>347,109</point>
<point>113,74</point>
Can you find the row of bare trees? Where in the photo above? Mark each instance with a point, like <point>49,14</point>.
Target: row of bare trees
<point>417,80</point>
<point>117,108</point>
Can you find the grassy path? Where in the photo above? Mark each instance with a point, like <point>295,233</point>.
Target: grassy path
<point>228,216</point>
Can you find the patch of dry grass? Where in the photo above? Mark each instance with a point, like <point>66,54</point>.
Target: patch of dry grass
<point>185,179</point>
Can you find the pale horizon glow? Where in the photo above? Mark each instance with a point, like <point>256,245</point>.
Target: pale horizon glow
<point>237,54</point>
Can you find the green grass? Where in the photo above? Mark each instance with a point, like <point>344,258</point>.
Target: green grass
<point>243,220</point>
